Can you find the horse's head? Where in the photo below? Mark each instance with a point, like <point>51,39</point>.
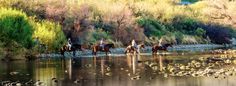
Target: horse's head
<point>142,46</point>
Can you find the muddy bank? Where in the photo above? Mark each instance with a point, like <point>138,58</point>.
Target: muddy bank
<point>146,51</point>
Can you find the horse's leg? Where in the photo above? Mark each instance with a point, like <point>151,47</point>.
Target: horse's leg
<point>74,52</point>
<point>94,51</point>
<point>63,54</point>
<point>62,50</point>
<point>153,51</point>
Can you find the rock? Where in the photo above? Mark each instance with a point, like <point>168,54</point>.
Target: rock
<point>108,69</point>
<point>136,77</point>
<point>201,58</point>
<point>88,65</point>
<point>18,84</point>
<point>165,75</point>
<point>129,74</point>
<point>30,82</point>
<point>77,81</point>
<point>227,61</point>
<point>127,70</point>
<point>4,83</point>
<point>234,61</point>
<point>38,83</point>
<point>108,73</point>
<point>54,80</point>
<point>14,73</point>
<point>182,67</point>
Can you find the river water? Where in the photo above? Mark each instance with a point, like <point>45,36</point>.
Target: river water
<point>129,70</point>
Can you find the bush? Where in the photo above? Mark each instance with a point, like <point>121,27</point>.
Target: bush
<point>94,35</point>
<point>15,26</point>
<point>17,31</point>
<point>200,32</point>
<point>157,18</point>
<point>152,27</point>
<point>178,37</point>
<point>50,34</point>
<point>218,34</point>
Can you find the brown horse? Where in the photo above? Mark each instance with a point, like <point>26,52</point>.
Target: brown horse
<point>164,47</point>
<point>131,49</point>
<point>97,48</point>
<point>74,48</point>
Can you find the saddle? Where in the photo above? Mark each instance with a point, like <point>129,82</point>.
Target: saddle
<point>161,47</point>
<point>102,47</point>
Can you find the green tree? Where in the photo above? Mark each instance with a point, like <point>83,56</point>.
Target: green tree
<point>15,26</point>
<point>200,32</point>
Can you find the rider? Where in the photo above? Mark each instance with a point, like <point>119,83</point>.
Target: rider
<point>160,41</point>
<point>133,44</point>
<point>69,44</point>
<point>102,44</point>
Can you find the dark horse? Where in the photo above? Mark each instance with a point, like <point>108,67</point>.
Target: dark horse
<point>131,49</point>
<point>164,47</point>
<point>74,47</point>
<point>97,48</point>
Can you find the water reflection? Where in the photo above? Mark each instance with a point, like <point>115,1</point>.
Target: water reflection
<point>133,62</point>
<point>131,70</point>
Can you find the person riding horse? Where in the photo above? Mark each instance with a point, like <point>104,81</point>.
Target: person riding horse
<point>163,47</point>
<point>133,44</point>
<point>101,44</point>
<point>96,48</point>
<point>134,47</point>
<point>69,44</point>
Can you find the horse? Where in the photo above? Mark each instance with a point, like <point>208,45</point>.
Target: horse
<point>74,48</point>
<point>131,49</point>
<point>164,47</point>
<point>97,48</point>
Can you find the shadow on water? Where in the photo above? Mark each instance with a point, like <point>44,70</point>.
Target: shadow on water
<point>129,70</point>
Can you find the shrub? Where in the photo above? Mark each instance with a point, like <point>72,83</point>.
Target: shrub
<point>200,32</point>
<point>152,27</point>
<point>15,26</point>
<point>50,34</point>
<point>157,18</point>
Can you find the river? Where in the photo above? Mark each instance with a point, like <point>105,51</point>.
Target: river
<point>123,70</point>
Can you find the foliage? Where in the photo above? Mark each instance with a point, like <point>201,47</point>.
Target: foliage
<point>17,31</point>
<point>15,26</point>
<point>124,20</point>
<point>50,34</point>
<point>152,27</point>
<point>200,32</point>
